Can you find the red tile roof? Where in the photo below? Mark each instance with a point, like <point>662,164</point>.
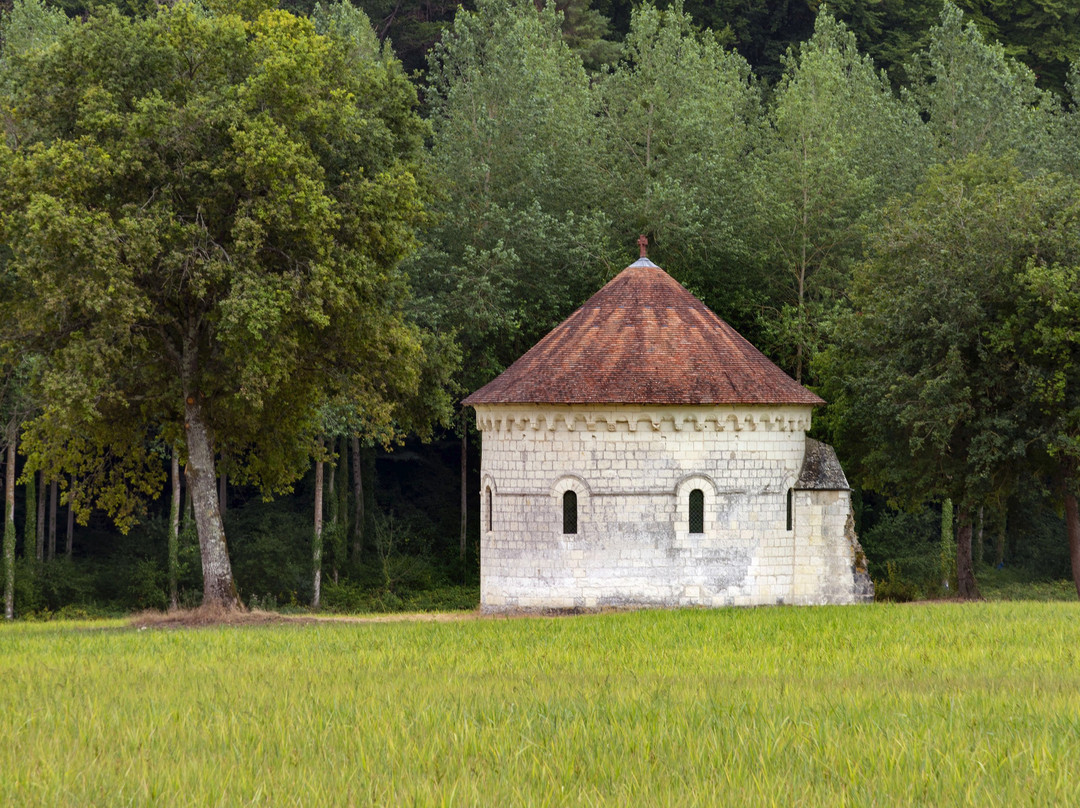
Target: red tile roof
<point>643,339</point>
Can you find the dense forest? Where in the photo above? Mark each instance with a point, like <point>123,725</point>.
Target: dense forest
<point>253,255</point>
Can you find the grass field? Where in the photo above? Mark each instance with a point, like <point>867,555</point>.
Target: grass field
<point>939,704</point>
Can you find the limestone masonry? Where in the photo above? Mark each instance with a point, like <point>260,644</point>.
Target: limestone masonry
<point>653,457</point>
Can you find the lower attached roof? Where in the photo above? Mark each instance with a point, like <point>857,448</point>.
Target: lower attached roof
<point>643,339</point>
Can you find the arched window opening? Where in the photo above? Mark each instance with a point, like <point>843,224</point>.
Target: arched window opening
<point>790,509</point>
<point>569,512</point>
<point>697,511</point>
<point>487,503</point>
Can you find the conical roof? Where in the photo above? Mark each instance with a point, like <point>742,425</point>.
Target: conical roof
<point>643,339</point>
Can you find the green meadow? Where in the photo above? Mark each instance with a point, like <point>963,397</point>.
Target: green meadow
<point>930,704</point>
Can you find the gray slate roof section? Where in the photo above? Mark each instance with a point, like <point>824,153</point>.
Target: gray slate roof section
<point>821,470</point>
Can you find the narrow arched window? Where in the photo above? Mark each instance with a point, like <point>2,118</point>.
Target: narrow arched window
<point>569,512</point>
<point>487,502</point>
<point>697,511</point>
<point>790,510</point>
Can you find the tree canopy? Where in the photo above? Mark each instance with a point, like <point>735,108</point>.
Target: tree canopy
<point>205,212</point>
<point>954,367</point>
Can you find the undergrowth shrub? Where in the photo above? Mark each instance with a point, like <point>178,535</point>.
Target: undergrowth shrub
<point>903,551</point>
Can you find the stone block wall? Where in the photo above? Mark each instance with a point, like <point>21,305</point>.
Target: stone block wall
<point>632,470</point>
<point>824,554</point>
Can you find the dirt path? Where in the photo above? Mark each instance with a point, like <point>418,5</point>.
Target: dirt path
<point>195,618</point>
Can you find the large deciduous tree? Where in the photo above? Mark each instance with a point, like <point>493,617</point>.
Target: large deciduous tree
<point>840,144</point>
<point>204,213</point>
<point>516,232</point>
<point>679,117</point>
<point>976,98</point>
<point>958,365</point>
<point>1043,331</point>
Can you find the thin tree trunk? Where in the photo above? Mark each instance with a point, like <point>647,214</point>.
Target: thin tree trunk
<point>968,589</point>
<point>316,544</point>
<point>174,532</point>
<point>54,493</point>
<point>979,546</point>
<point>331,491</point>
<point>9,527</point>
<point>218,586</point>
<point>40,524</point>
<point>999,543</point>
<point>358,496</point>
<point>223,493</point>
<point>947,557</point>
<point>341,547</point>
<point>189,506</point>
<point>1072,527</point>
<point>69,540</point>
<point>464,489</point>
<point>30,546</point>
<point>332,511</point>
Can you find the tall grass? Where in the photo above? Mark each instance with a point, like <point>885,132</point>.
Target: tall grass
<point>878,705</point>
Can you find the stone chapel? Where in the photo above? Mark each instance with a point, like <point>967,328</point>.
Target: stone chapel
<point>644,454</point>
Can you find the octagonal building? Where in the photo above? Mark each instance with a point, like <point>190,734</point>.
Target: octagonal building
<point>644,454</point>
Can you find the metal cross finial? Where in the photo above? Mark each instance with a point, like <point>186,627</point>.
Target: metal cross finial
<point>643,243</point>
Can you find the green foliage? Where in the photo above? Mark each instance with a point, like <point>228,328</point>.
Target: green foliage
<point>919,372</point>
<point>948,377</point>
<point>976,98</point>
<point>587,32</point>
<point>903,551</point>
<point>891,32</point>
<point>25,27</point>
<point>892,588</point>
<point>263,174</point>
<point>839,145</point>
<point>1044,34</point>
<point>224,214</point>
<point>515,238</point>
<point>1014,585</point>
<point>352,598</point>
<point>270,546</point>
<point>678,117</point>
<point>762,31</point>
<point>48,588</point>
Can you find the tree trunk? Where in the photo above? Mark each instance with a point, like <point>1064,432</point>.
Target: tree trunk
<point>223,493</point>
<point>30,545</point>
<point>316,544</point>
<point>54,493</point>
<point>189,506</point>
<point>1072,527</point>
<point>948,548</point>
<point>341,544</point>
<point>965,572</point>
<point>9,527</point>
<point>218,586</point>
<point>358,496</point>
<point>999,543</point>
<point>40,538</point>
<point>331,510</point>
<point>330,489</point>
<point>464,488</point>
<point>174,532</point>
<point>979,544</point>
<point>69,540</point>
